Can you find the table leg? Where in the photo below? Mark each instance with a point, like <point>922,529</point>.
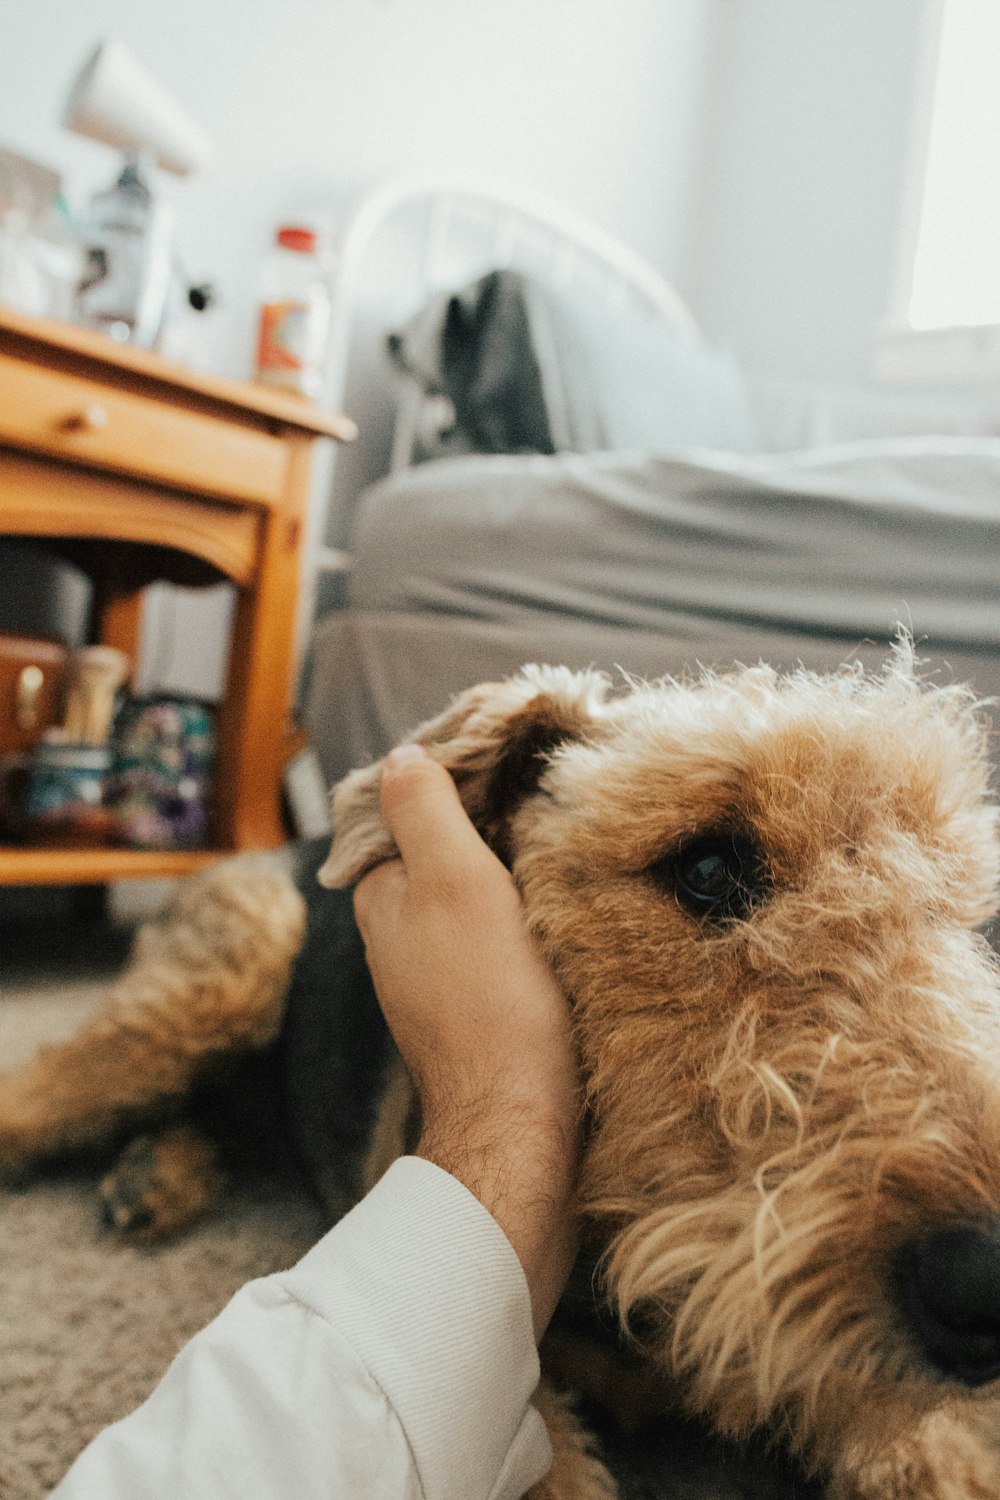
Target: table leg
<point>254,715</point>
<point>116,619</point>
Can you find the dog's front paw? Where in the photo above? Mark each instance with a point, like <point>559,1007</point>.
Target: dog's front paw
<point>945,1459</point>
<point>160,1184</point>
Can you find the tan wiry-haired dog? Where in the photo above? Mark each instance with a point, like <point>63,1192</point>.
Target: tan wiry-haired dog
<point>759,894</point>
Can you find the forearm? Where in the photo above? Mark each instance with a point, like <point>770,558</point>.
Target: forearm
<point>521,1165</point>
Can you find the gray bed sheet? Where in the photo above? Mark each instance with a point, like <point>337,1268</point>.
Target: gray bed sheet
<point>468,568</point>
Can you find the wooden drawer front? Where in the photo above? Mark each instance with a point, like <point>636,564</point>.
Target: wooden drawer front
<point>39,499</point>
<point>89,422</point>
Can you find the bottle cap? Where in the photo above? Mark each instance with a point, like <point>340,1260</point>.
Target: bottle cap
<point>294,237</point>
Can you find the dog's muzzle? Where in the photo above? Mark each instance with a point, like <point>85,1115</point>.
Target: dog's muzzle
<point>950,1291</point>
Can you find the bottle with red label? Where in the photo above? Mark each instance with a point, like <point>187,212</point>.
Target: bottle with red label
<point>294,314</point>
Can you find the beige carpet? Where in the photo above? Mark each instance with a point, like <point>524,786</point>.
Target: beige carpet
<point>87,1325</point>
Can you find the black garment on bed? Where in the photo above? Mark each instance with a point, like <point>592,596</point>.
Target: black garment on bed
<point>476,347</point>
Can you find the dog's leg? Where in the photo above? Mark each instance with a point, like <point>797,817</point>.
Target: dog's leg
<point>946,1459</point>
<point>577,1472</point>
<point>161,1183</point>
<point>207,979</point>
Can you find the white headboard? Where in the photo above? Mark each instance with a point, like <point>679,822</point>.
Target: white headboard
<point>420,234</point>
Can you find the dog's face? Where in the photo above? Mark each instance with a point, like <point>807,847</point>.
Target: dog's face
<point>759,896</point>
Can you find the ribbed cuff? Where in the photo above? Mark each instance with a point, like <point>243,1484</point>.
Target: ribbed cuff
<point>425,1285</point>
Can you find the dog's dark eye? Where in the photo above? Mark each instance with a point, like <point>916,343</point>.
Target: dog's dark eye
<point>717,876</point>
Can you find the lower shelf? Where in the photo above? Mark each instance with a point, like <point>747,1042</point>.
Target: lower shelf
<point>97,866</point>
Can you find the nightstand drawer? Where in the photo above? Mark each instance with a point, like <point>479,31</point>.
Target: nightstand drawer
<point>87,422</point>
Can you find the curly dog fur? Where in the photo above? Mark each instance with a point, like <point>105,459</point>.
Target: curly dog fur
<point>760,894</point>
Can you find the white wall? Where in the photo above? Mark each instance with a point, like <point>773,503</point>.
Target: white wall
<point>754,150</point>
<point>805,161</point>
<point>595,101</point>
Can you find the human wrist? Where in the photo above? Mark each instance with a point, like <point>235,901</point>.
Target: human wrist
<point>520,1161</point>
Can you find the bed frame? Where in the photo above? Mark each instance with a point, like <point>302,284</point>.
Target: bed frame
<point>406,240</point>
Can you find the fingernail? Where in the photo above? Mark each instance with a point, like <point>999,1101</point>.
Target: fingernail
<point>405,755</point>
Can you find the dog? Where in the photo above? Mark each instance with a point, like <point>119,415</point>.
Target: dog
<point>761,895</point>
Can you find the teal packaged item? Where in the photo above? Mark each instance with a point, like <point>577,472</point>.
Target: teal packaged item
<point>66,790</point>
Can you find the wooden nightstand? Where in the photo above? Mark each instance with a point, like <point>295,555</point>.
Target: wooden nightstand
<point>136,470</point>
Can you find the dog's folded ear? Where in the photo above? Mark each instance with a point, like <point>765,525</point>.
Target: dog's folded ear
<point>494,739</point>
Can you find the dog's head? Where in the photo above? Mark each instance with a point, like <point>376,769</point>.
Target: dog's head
<point>759,894</point>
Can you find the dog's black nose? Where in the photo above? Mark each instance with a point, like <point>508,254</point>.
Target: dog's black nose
<point>950,1283</point>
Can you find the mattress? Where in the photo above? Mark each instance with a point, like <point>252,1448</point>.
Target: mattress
<point>469,567</point>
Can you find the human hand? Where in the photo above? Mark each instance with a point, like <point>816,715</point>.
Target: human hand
<point>478,1018</point>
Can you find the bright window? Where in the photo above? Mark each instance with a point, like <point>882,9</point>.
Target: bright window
<point>956,272</point>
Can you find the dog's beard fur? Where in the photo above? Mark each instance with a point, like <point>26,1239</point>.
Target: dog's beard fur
<point>768,1295</point>
<point>758,1186</point>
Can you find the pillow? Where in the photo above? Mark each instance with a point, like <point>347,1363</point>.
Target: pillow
<point>621,379</point>
<point>510,366</point>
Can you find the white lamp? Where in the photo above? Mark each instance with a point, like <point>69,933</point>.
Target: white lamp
<point>115,101</point>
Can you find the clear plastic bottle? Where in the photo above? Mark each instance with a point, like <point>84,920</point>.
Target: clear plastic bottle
<point>128,243</point>
<point>294,313</point>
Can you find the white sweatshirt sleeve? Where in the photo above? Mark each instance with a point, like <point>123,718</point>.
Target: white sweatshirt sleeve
<point>396,1360</point>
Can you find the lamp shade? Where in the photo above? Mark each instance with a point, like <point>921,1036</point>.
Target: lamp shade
<point>115,101</point>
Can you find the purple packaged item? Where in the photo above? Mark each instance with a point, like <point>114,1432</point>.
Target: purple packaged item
<point>159,789</point>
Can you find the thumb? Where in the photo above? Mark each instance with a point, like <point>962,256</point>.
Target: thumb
<point>422,810</point>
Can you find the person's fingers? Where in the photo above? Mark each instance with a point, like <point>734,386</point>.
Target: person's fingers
<point>424,813</point>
